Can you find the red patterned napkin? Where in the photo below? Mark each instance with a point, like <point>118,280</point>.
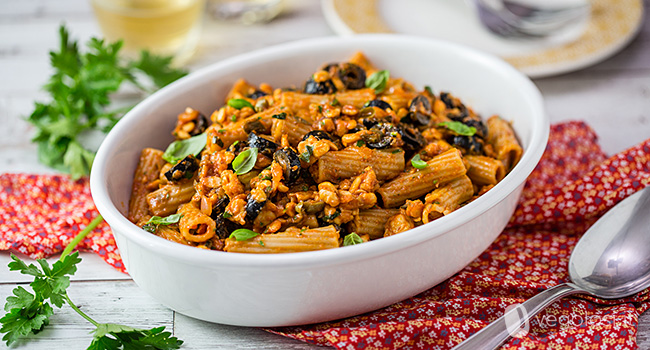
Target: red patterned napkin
<point>41,214</point>
<point>574,184</point>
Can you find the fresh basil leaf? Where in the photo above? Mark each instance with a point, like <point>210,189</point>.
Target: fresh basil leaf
<point>459,128</point>
<point>418,163</point>
<point>352,239</point>
<point>239,103</point>
<point>167,220</point>
<point>178,150</point>
<point>378,80</point>
<point>245,161</point>
<point>242,234</point>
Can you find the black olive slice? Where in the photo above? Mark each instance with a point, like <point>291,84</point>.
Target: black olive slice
<point>381,104</point>
<point>263,145</point>
<point>352,76</point>
<point>290,163</point>
<point>184,169</point>
<point>322,88</point>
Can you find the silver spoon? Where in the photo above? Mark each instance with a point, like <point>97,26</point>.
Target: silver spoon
<point>520,19</point>
<point>610,261</point>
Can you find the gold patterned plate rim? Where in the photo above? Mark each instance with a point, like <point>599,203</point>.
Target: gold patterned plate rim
<point>612,25</point>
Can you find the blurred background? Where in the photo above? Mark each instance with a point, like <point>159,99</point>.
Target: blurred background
<point>29,30</point>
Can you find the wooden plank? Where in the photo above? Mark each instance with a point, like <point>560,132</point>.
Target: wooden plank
<point>107,302</point>
<point>204,335</point>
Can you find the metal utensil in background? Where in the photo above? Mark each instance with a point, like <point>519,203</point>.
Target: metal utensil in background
<point>533,18</point>
<point>611,261</point>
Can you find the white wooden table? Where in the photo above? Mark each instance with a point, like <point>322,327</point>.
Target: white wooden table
<point>613,97</point>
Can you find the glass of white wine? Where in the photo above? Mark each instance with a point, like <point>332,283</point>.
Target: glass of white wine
<point>166,27</point>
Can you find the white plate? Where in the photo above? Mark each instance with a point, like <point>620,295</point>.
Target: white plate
<point>611,27</point>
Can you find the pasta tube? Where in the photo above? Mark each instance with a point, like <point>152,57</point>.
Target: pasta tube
<point>351,161</point>
<point>194,225</point>
<point>439,170</point>
<point>447,198</point>
<point>166,200</point>
<point>371,222</point>
<point>290,241</point>
<point>485,170</point>
<point>503,140</point>
<point>147,171</point>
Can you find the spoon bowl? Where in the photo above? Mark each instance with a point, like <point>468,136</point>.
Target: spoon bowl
<point>610,261</point>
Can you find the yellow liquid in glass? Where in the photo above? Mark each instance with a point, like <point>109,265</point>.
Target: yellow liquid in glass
<point>170,27</point>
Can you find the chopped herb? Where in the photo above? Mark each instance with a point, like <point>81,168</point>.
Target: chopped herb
<point>245,161</point>
<point>226,215</point>
<point>303,229</point>
<point>378,80</point>
<point>242,234</point>
<point>266,177</point>
<point>418,163</point>
<point>233,118</point>
<point>360,143</point>
<point>261,243</point>
<point>459,128</point>
<point>280,115</point>
<point>306,155</point>
<point>396,151</point>
<point>239,103</point>
<point>178,150</point>
<point>234,143</point>
<point>221,131</point>
<point>427,88</point>
<point>334,215</point>
<point>352,239</point>
<point>335,102</point>
<point>320,109</point>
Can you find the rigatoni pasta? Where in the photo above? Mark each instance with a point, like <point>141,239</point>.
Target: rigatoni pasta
<point>354,155</point>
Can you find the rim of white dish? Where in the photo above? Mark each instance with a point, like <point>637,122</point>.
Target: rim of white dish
<point>341,255</point>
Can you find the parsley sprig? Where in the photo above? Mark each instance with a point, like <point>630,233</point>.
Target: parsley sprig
<point>80,90</point>
<point>29,312</point>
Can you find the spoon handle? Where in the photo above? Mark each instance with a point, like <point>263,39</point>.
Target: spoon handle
<point>516,318</point>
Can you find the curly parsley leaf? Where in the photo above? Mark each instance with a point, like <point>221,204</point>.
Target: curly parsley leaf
<point>80,90</point>
<point>110,336</point>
